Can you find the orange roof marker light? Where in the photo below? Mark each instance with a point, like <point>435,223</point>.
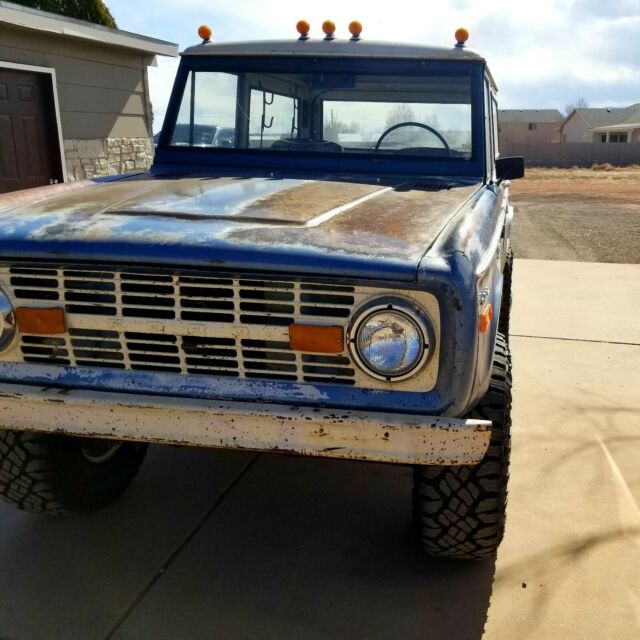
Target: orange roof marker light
<point>328,28</point>
<point>204,32</point>
<point>355,29</point>
<point>303,28</point>
<point>461,35</point>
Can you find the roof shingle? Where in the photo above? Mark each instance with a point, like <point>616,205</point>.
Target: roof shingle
<point>529,115</point>
<point>608,116</point>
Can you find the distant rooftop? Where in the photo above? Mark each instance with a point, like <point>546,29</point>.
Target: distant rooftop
<point>610,116</point>
<point>24,17</point>
<point>539,116</point>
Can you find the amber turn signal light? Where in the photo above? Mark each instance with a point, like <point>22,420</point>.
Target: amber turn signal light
<point>41,322</point>
<point>484,321</point>
<point>314,338</point>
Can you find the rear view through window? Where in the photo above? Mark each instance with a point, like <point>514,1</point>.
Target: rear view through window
<point>327,113</point>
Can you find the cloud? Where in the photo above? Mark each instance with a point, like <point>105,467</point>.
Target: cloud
<point>543,53</point>
<point>598,8</point>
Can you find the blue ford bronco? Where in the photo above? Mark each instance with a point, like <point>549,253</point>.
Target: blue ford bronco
<point>318,262</point>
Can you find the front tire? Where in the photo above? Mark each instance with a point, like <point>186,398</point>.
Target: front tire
<point>61,475</point>
<point>460,511</point>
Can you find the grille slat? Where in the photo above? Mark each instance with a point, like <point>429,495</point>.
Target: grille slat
<point>121,305</point>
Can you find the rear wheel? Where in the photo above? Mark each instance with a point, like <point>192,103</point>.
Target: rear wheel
<point>59,475</point>
<point>459,512</point>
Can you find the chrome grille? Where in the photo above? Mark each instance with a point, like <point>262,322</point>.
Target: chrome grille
<point>177,323</point>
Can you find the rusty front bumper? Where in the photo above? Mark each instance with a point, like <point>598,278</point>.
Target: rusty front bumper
<point>333,433</point>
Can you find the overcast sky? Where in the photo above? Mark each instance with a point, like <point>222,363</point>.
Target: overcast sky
<point>542,53</point>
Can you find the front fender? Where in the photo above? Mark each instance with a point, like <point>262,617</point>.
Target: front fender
<point>472,246</point>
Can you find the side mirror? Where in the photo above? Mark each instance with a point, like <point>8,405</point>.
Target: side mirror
<point>510,168</point>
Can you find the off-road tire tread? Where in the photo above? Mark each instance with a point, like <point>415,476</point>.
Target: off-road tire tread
<point>459,512</point>
<point>42,473</point>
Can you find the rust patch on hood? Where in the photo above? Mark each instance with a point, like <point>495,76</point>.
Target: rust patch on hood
<point>306,201</point>
<point>395,224</point>
<point>30,196</point>
<point>408,215</point>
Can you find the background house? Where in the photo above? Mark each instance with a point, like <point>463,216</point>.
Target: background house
<point>518,129</point>
<point>74,98</point>
<point>607,124</point>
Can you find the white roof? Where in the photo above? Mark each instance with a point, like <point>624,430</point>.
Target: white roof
<point>37,20</point>
<point>338,47</point>
<point>621,127</point>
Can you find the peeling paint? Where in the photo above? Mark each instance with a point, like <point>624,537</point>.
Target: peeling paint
<point>361,436</point>
<point>237,221</point>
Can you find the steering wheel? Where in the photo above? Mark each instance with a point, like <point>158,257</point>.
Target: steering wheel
<point>412,124</point>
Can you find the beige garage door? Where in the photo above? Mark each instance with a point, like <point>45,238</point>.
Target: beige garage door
<point>29,152</point>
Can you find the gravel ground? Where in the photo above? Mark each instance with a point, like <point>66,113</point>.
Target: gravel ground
<point>580,215</point>
<point>570,228</point>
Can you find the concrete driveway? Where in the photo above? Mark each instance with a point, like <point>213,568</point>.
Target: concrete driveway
<point>218,544</point>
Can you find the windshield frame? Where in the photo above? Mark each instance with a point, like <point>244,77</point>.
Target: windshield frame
<point>365,163</point>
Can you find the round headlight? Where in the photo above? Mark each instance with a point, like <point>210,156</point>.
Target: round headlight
<point>389,342</point>
<point>7,322</point>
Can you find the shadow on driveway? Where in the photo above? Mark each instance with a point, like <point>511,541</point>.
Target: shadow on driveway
<point>206,545</point>
<point>305,548</point>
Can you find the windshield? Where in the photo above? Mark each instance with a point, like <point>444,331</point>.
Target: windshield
<point>326,113</point>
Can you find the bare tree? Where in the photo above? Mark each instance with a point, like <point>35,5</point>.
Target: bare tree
<point>580,103</point>
<point>399,113</point>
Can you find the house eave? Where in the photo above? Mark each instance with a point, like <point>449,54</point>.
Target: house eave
<point>36,20</point>
<point>618,127</point>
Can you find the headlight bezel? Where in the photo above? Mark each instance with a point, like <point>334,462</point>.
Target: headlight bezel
<point>405,307</point>
<point>8,327</point>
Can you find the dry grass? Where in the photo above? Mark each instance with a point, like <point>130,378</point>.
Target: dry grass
<point>600,181</point>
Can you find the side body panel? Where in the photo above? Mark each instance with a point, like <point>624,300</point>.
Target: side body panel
<point>472,247</point>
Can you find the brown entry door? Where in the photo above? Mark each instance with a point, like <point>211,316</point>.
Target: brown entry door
<point>29,152</point>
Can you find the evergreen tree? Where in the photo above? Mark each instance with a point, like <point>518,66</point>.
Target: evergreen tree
<point>90,10</point>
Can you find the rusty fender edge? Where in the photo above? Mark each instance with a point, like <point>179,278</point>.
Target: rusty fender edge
<point>333,433</point>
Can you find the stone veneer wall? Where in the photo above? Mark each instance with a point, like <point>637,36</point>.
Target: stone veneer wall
<point>106,157</point>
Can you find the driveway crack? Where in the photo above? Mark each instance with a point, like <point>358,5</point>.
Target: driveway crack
<point>627,344</point>
<point>176,552</point>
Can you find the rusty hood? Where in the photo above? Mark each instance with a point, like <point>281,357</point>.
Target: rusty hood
<point>306,226</point>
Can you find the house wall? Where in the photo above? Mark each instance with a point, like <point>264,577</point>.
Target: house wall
<point>105,112</point>
<point>576,130</point>
<point>516,135</point>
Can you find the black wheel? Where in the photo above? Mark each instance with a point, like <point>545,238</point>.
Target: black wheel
<point>459,512</point>
<point>60,475</point>
<point>507,296</point>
